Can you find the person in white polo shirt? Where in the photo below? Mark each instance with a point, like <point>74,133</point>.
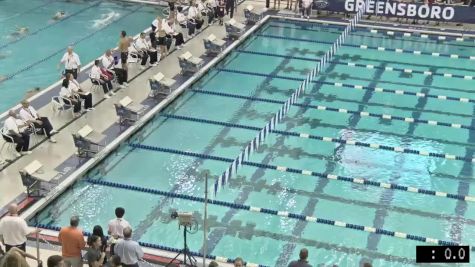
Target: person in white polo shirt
<point>116,226</point>
<point>17,129</point>
<point>14,229</point>
<point>71,62</point>
<point>29,115</point>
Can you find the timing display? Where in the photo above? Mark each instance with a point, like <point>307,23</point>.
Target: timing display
<point>445,254</point>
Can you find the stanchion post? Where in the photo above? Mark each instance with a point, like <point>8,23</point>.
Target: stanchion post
<point>38,245</point>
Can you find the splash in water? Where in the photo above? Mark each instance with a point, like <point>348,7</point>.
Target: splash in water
<point>105,19</point>
<point>19,31</point>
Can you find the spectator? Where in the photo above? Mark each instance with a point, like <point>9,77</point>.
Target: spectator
<point>16,257</point>
<point>16,129</point>
<point>71,62</point>
<point>116,227</point>
<point>72,242</point>
<point>97,77</point>
<point>163,42</point>
<point>70,98</point>
<point>206,11</point>
<point>95,256</point>
<point>109,62</point>
<point>114,261</point>
<point>302,262</point>
<point>14,229</point>
<point>238,262</point>
<point>97,230</point>
<point>29,115</point>
<point>128,250</point>
<point>55,261</point>
<point>169,28</point>
<point>76,90</point>
<point>213,264</point>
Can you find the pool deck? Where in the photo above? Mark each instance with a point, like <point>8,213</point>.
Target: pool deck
<point>61,156</point>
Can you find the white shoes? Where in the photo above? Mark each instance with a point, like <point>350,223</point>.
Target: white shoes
<point>142,67</point>
<point>53,132</point>
<point>17,154</point>
<point>154,64</point>
<point>112,92</point>
<point>107,96</point>
<point>52,140</point>
<point>121,86</point>
<point>24,153</point>
<point>125,84</point>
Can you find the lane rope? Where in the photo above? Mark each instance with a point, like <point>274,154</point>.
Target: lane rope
<point>10,76</point>
<point>284,109</point>
<point>286,214</point>
<point>49,25</point>
<point>432,36</point>
<point>328,139</point>
<point>367,66</point>
<point>329,176</point>
<point>387,117</point>
<point>366,47</point>
<point>444,40</point>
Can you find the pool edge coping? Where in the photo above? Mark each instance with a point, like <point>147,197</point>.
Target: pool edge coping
<point>119,140</point>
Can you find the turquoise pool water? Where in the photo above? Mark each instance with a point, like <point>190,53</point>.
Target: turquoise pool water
<point>92,26</point>
<point>272,240</point>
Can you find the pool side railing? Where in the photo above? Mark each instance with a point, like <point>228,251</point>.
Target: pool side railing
<point>88,165</point>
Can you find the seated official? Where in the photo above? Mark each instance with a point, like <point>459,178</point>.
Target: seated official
<point>109,63</point>
<point>17,129</point>
<point>70,98</point>
<point>146,51</point>
<point>168,26</point>
<point>100,78</point>
<point>195,20</point>
<point>29,115</point>
<point>77,91</point>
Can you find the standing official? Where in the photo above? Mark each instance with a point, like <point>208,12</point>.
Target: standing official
<point>71,62</point>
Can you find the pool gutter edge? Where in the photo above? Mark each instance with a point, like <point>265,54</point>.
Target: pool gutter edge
<point>77,174</point>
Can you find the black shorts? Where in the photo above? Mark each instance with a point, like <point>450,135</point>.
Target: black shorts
<point>162,40</point>
<point>124,56</point>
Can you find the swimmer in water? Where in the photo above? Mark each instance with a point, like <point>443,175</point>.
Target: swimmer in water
<point>59,15</point>
<point>20,31</point>
<point>2,78</point>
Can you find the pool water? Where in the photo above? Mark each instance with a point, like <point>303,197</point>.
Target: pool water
<point>32,59</point>
<point>273,240</point>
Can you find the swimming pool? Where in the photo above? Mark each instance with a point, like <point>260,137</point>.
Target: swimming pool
<point>29,61</point>
<point>211,123</point>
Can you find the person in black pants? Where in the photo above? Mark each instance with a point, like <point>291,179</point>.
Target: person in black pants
<point>230,7</point>
<point>16,129</point>
<point>75,88</point>
<point>69,97</point>
<point>97,77</point>
<point>29,115</point>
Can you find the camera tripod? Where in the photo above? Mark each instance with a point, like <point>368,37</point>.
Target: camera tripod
<point>187,257</point>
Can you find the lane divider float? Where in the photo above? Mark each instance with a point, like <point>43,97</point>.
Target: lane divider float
<point>329,176</point>
<point>300,217</point>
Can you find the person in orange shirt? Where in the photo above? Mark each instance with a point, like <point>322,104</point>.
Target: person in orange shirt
<point>72,242</point>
